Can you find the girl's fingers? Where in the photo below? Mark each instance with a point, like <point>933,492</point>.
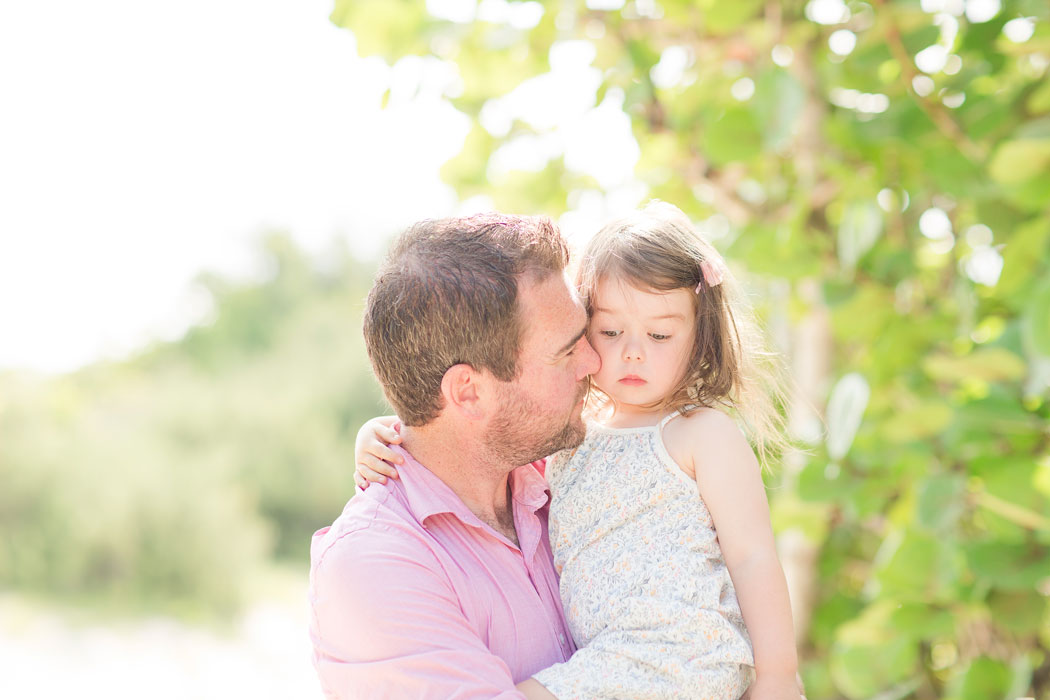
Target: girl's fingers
<point>390,436</point>
<point>388,455</point>
<point>384,468</point>
<point>376,466</point>
<point>367,472</point>
<point>378,460</point>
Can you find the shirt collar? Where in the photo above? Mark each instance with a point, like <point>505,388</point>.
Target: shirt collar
<point>529,488</point>
<point>428,495</point>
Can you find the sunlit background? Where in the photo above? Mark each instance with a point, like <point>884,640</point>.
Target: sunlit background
<point>193,197</point>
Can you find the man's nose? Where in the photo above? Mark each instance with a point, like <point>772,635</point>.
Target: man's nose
<point>590,361</point>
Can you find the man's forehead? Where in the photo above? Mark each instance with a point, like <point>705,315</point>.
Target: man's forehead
<point>556,310</point>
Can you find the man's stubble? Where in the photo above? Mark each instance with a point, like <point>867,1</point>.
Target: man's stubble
<point>524,431</point>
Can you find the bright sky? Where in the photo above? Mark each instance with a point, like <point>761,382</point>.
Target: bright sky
<point>143,142</point>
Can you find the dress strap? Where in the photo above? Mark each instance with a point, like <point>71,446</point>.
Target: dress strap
<point>667,419</point>
<point>672,415</point>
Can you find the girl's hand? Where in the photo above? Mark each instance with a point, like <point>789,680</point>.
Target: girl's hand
<point>372,453</point>
<point>781,687</point>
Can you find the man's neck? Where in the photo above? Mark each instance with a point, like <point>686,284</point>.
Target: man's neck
<point>481,483</point>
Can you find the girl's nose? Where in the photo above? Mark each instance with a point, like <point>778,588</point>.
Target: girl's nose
<point>631,351</point>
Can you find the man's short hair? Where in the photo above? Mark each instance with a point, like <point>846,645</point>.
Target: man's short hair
<point>447,294</point>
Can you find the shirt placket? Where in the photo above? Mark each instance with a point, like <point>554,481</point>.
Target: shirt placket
<point>530,532</point>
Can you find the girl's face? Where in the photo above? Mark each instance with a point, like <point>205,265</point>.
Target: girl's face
<point>644,339</point>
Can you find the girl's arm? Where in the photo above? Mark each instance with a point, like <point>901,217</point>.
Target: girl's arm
<point>729,479</point>
<point>532,689</point>
<point>372,453</point>
<point>375,460</point>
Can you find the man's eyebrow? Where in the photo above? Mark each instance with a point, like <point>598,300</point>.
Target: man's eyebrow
<point>569,345</point>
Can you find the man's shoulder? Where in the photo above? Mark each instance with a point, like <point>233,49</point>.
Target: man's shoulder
<point>375,523</point>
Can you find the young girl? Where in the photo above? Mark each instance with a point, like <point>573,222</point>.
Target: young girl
<point>659,522</point>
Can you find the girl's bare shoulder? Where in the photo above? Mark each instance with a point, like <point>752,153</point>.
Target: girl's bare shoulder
<point>705,432</point>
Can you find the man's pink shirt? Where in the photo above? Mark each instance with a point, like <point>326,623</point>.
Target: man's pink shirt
<point>412,595</point>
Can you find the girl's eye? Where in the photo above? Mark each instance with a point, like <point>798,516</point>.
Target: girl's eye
<point>610,334</point>
<point>659,336</point>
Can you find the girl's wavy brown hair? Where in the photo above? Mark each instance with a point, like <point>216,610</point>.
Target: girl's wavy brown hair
<point>658,249</point>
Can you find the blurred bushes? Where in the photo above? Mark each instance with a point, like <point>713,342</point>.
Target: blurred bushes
<point>168,479</point>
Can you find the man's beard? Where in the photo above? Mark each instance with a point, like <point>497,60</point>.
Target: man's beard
<point>523,431</point>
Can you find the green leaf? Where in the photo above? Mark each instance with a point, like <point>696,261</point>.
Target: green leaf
<point>940,501</point>
<point>1034,129</point>
<point>952,171</point>
<point>823,483</point>
<point>983,679</point>
<point>912,564</point>
<point>467,170</point>
<point>389,28</point>
<point>643,55</point>
<point>1039,101</point>
<point>860,670</point>
<point>1036,326</point>
<point>733,137</point>
<point>1015,479</point>
<point>845,409</point>
<point>921,621</point>
<point>1023,255</point>
<point>863,315</point>
<point>1008,565</point>
<point>998,416</point>
<point>859,229</point>
<point>1021,612</point>
<point>1016,161</point>
<point>917,422</point>
<point>1031,195</point>
<point>986,364</point>
<point>831,614</point>
<point>777,105</point>
<point>722,17</point>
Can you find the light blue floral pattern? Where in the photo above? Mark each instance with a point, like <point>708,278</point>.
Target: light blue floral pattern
<point>646,591</point>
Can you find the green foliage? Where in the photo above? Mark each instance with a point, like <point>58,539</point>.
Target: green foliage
<point>167,479</point>
<point>933,522</point>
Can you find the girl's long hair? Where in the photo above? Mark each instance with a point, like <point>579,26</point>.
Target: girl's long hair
<point>658,249</point>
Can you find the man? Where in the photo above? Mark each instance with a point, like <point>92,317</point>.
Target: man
<point>441,584</point>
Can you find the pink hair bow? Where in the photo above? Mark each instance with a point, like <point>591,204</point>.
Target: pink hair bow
<point>713,273</point>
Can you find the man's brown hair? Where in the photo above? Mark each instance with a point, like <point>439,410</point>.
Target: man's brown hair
<point>447,294</point>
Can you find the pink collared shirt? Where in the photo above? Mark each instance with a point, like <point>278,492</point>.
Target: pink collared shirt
<point>412,595</point>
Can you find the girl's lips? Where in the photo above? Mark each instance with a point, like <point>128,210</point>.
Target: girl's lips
<point>632,380</point>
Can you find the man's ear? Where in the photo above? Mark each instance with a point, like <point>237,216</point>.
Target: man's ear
<point>462,389</point>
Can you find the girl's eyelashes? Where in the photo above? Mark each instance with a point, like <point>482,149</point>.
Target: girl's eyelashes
<point>615,334</point>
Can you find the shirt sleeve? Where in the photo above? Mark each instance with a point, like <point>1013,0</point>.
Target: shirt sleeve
<point>386,623</point>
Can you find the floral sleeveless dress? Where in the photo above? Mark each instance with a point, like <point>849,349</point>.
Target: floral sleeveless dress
<point>645,589</point>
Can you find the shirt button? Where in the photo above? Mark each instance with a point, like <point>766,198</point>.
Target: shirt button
<point>561,638</point>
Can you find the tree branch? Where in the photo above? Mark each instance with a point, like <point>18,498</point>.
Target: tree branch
<point>936,111</point>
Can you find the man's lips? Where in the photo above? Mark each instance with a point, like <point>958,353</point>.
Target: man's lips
<point>632,380</point>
